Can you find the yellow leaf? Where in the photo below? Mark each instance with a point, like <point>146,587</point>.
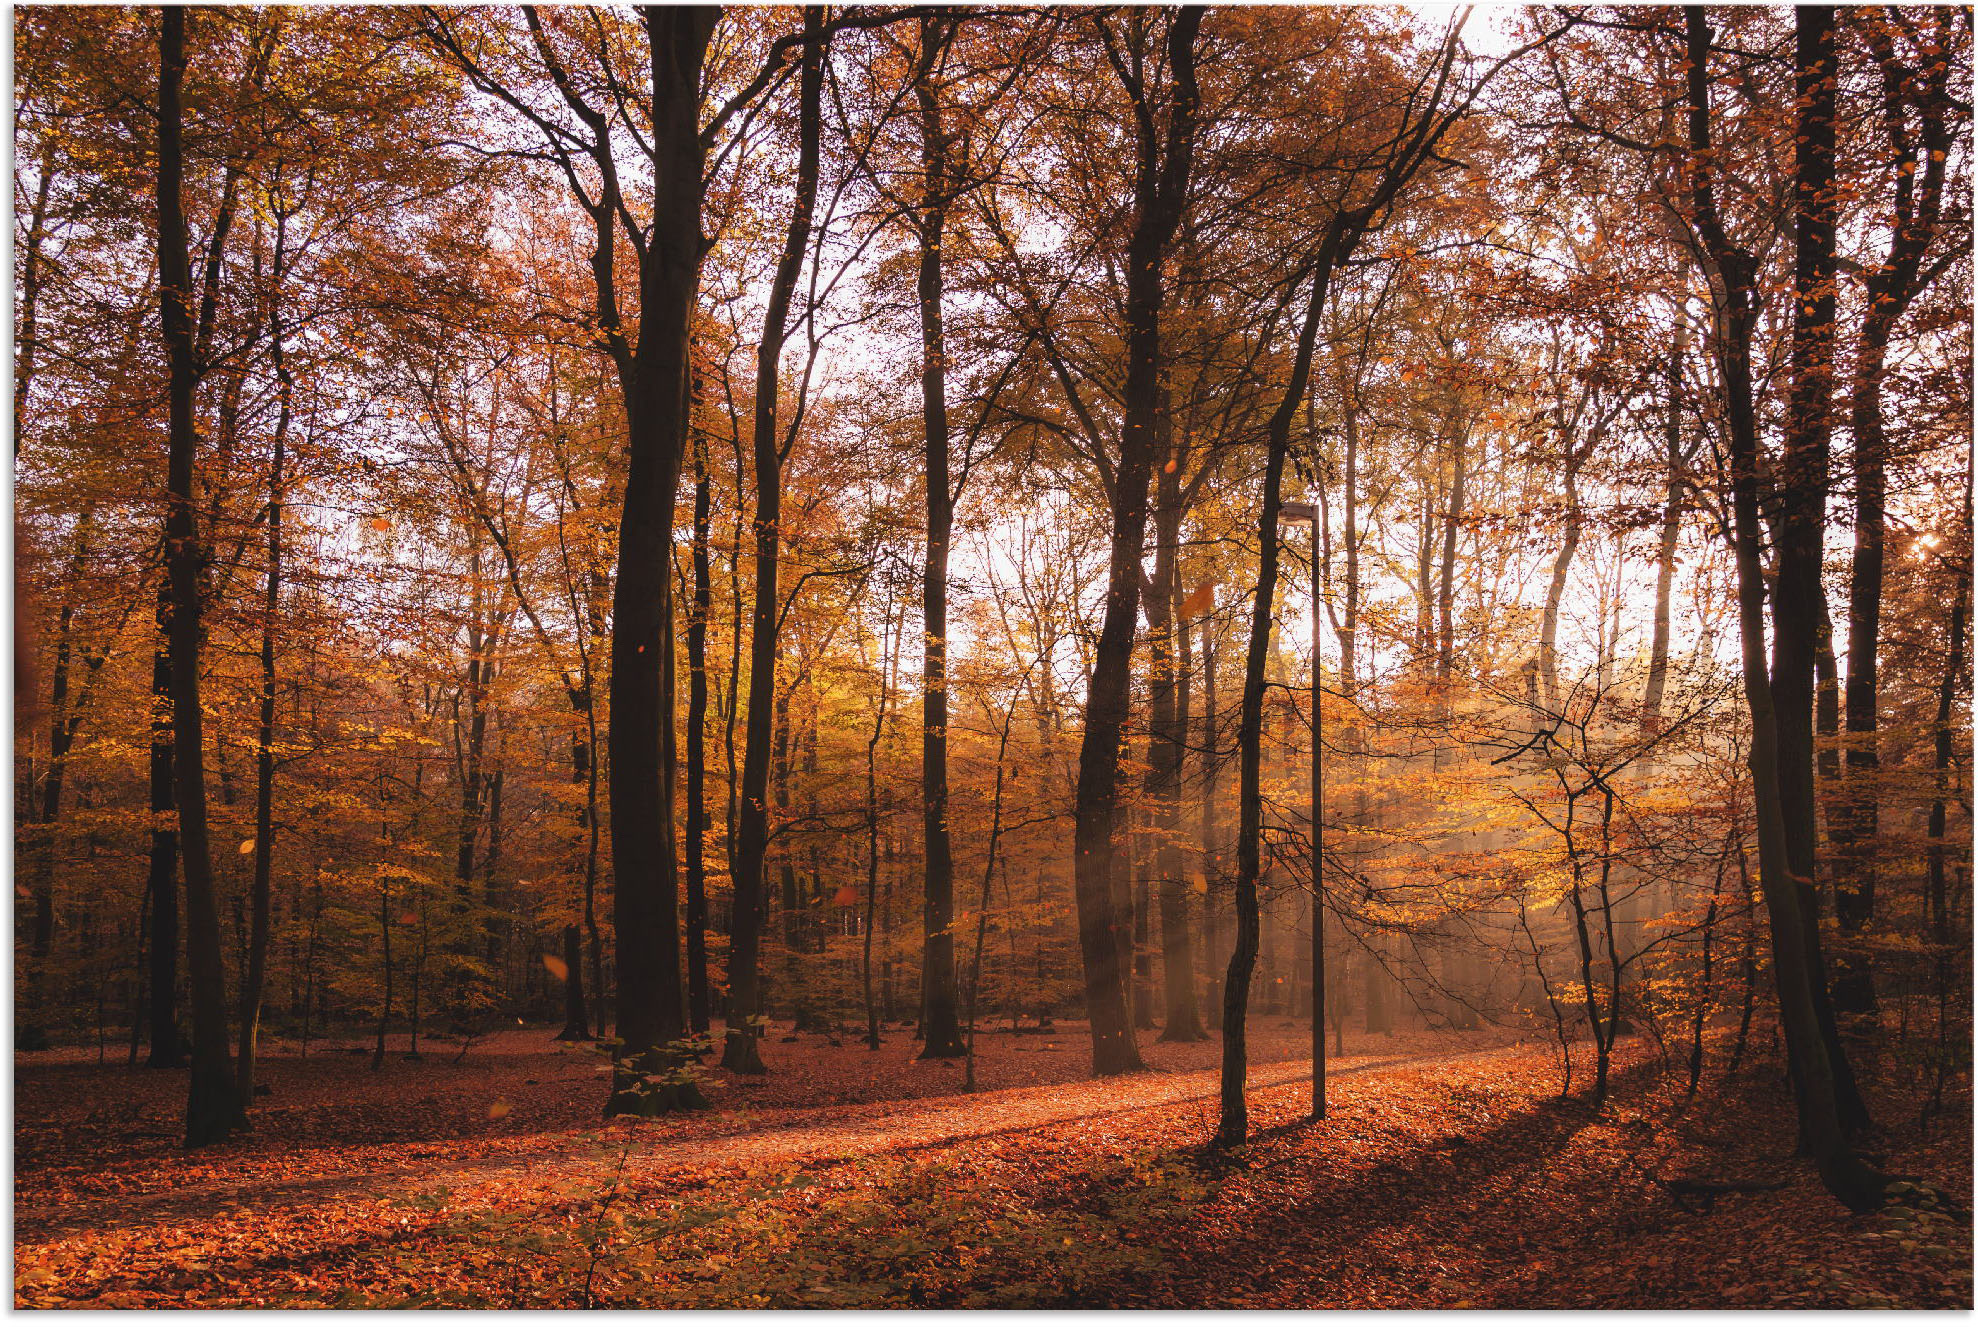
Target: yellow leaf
<point>499,1109</point>
<point>246,847</point>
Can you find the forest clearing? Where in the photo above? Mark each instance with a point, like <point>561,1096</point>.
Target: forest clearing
<point>968,656</point>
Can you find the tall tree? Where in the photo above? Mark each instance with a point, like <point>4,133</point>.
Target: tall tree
<point>771,449</point>
<point>1163,155</point>
<point>1916,118</point>
<point>941,1023</point>
<point>1733,291</point>
<point>211,1105</point>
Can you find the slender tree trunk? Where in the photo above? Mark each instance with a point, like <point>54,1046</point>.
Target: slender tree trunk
<point>1234,1125</point>
<point>740,1052</point>
<point>167,1047</point>
<point>576,1010</point>
<point>261,892</point>
<point>988,874</point>
<point>1555,590</point>
<point>1936,884</point>
<point>576,1020</point>
<point>1167,747</point>
<point>1445,655</point>
<point>886,655</point>
<point>801,1014</point>
<point>65,719</point>
<point>1672,516</point>
<point>27,328</point>
<point>937,970</point>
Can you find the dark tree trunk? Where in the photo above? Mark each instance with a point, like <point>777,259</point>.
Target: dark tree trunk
<point>937,971</point>
<point>1799,603</point>
<point>1445,653</point>
<point>1161,185</point>
<point>261,891</point>
<point>1936,885</point>
<point>1795,965</point>
<point>211,1106</point>
<point>167,1049</point>
<point>886,655</point>
<point>1672,516</point>
<point>740,1052</point>
<point>1234,1125</point>
<point>1919,159</point>
<point>1562,565</point>
<point>650,1011</point>
<point>1167,748</point>
<point>65,720</point>
<point>27,332</point>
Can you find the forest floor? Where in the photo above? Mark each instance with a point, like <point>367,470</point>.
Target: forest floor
<point>1449,1173</point>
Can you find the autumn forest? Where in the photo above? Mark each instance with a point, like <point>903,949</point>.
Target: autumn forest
<point>955,656</point>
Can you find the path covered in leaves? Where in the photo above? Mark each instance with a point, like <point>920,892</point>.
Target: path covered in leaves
<point>1448,1174</point>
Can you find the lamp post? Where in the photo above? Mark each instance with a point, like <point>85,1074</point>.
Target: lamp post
<point>1308,512</point>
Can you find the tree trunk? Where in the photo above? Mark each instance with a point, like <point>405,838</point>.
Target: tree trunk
<point>1555,590</point>
<point>211,1106</point>
<point>1160,188</point>
<point>937,970</point>
<point>650,1013</point>
<point>1672,516</point>
<point>1167,748</point>
<point>1919,160</point>
<point>1445,655</point>
<point>27,330</point>
<point>1234,1125</point>
<point>261,891</point>
<point>739,1051</point>
<point>1844,1173</point>
<point>167,1047</point>
<point>1798,602</point>
<point>886,656</point>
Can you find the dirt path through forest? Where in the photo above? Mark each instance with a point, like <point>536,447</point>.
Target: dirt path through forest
<point>749,1139</point>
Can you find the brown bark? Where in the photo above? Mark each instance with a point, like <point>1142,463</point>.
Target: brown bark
<point>654,380</point>
<point>1160,186</point>
<point>211,1106</point>
<point>261,891</point>
<point>1918,155</point>
<point>939,995</point>
<point>739,1051</point>
<point>1733,272</point>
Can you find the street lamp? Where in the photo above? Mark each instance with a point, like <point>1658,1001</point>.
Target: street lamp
<point>1309,513</point>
